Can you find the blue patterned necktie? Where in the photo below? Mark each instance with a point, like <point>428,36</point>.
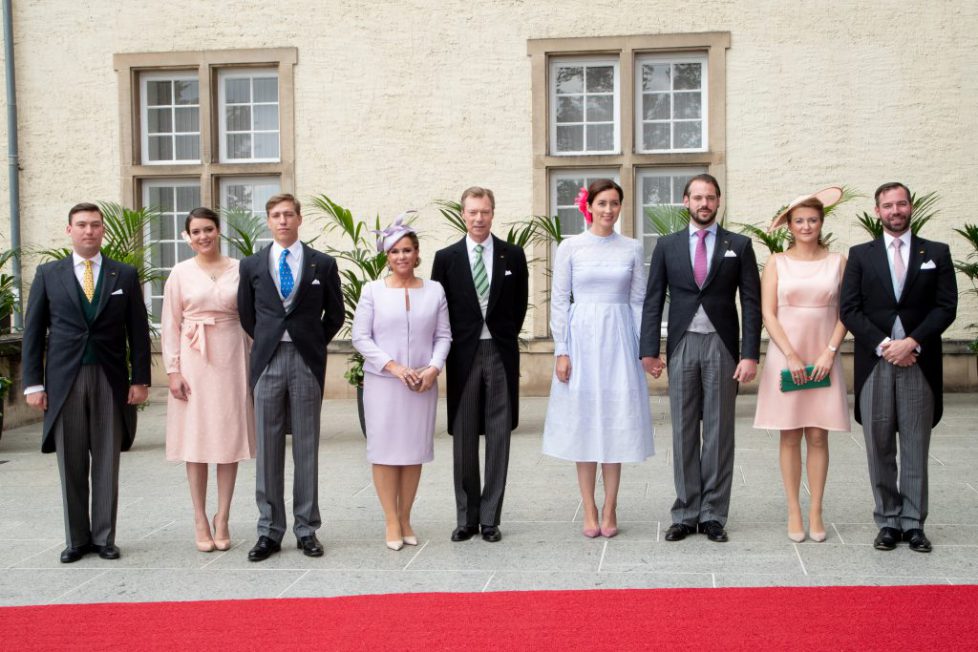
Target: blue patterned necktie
<point>286,282</point>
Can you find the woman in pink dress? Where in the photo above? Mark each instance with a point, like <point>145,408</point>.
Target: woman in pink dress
<point>402,330</point>
<point>800,304</point>
<point>209,416</point>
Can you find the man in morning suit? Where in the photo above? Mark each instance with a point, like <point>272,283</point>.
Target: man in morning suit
<point>702,268</point>
<point>85,314</point>
<point>486,286</point>
<point>289,302</point>
<point>898,296</point>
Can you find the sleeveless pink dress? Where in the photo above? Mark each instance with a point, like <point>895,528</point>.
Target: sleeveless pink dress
<point>808,309</point>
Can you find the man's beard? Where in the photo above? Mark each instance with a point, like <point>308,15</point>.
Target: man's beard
<point>699,220</point>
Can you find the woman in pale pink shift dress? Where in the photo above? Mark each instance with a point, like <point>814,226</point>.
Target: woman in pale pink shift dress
<point>209,416</point>
<point>800,304</point>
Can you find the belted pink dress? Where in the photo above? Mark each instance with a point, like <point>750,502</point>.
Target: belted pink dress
<point>203,340</point>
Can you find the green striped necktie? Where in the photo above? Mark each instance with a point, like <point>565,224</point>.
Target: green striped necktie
<point>479,274</point>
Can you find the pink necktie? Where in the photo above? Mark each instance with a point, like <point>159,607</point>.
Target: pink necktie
<point>899,268</point>
<point>699,260</point>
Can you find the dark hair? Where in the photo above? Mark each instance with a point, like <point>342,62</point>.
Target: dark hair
<point>892,185</point>
<point>202,213</point>
<point>708,178</point>
<point>598,186</point>
<point>478,192</point>
<point>811,202</point>
<point>84,207</point>
<point>274,200</point>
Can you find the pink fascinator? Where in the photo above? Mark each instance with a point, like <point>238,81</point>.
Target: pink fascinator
<point>581,202</point>
<point>386,238</point>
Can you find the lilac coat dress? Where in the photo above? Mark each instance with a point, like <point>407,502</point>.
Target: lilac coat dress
<point>400,422</point>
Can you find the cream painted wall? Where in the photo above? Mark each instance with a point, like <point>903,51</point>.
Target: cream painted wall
<point>399,103</point>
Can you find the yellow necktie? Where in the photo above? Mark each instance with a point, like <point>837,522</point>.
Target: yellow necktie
<point>88,281</point>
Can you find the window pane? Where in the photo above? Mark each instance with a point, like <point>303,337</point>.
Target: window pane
<point>186,119</point>
<point>160,148</point>
<point>567,190</point>
<point>571,221</point>
<point>187,148</point>
<point>600,108</point>
<point>186,91</point>
<point>168,228</point>
<point>655,190</point>
<point>688,105</point>
<point>158,121</point>
<point>239,145</point>
<point>570,79</point>
<point>570,109</point>
<point>237,91</point>
<point>158,286</point>
<point>167,255</point>
<point>570,139</point>
<point>266,145</point>
<point>184,252</point>
<point>688,76</point>
<point>266,89</point>
<point>238,118</point>
<point>600,79</point>
<point>238,196</point>
<point>188,198</point>
<point>678,185</point>
<point>655,106</point>
<point>600,138</point>
<point>157,310</point>
<point>158,92</point>
<point>655,136</point>
<point>266,117</point>
<point>155,192</point>
<point>656,77</point>
<point>687,135</point>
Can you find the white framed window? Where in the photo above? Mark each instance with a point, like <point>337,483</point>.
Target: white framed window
<point>658,187</point>
<point>584,106</point>
<point>247,194</point>
<point>671,103</point>
<point>169,118</point>
<point>173,199</point>
<point>248,115</point>
<point>564,188</point>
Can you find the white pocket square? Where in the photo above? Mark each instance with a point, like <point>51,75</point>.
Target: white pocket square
<point>929,265</point>
<point>508,273</point>
<point>315,281</point>
<point>119,291</point>
<point>729,253</point>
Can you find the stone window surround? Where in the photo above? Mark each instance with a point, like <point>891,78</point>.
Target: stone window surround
<point>628,162</point>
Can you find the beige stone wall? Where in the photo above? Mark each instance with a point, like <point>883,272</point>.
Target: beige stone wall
<point>399,103</point>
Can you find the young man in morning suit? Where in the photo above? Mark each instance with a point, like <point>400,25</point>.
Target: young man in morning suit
<point>486,285</point>
<point>289,302</point>
<point>898,296</point>
<point>85,314</point>
<point>703,268</point>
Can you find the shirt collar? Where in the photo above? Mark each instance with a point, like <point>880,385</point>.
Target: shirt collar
<point>78,260</point>
<point>710,229</point>
<point>904,237</point>
<point>471,244</point>
<point>294,249</point>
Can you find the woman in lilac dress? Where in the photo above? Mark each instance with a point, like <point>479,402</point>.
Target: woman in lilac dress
<point>401,328</point>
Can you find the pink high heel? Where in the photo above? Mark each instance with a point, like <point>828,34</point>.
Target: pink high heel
<point>591,532</point>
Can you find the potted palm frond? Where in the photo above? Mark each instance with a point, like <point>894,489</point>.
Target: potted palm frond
<point>923,209</point>
<point>969,267</point>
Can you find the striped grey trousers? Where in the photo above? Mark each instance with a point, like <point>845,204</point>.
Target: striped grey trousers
<point>897,405</point>
<point>485,394</point>
<point>88,436</point>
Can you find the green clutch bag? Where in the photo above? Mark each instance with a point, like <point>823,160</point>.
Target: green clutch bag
<point>788,384</point>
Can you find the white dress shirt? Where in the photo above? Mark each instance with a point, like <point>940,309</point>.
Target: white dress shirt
<point>487,261</point>
<point>294,261</point>
<point>700,322</point>
<point>897,333</point>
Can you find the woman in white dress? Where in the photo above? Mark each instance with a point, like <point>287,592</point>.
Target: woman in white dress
<point>599,404</point>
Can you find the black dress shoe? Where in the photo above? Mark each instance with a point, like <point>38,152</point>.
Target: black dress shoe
<point>264,549</point>
<point>108,551</point>
<point>310,546</point>
<point>888,538</point>
<point>464,532</point>
<point>70,555</point>
<point>491,533</point>
<point>679,531</point>
<point>714,531</point>
<point>918,540</point>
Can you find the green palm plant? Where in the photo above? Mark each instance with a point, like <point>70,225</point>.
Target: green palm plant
<point>923,210</point>
<point>363,264</point>
<point>969,267</point>
<point>451,212</point>
<point>666,218</point>
<point>8,296</point>
<point>245,229</point>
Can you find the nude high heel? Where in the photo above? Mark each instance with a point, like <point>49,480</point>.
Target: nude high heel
<point>221,544</point>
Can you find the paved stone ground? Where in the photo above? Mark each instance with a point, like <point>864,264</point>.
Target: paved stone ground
<point>542,547</point>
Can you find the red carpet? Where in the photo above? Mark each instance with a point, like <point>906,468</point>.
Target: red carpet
<point>833,618</point>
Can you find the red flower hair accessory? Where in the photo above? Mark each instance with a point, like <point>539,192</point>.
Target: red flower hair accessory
<point>581,202</point>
